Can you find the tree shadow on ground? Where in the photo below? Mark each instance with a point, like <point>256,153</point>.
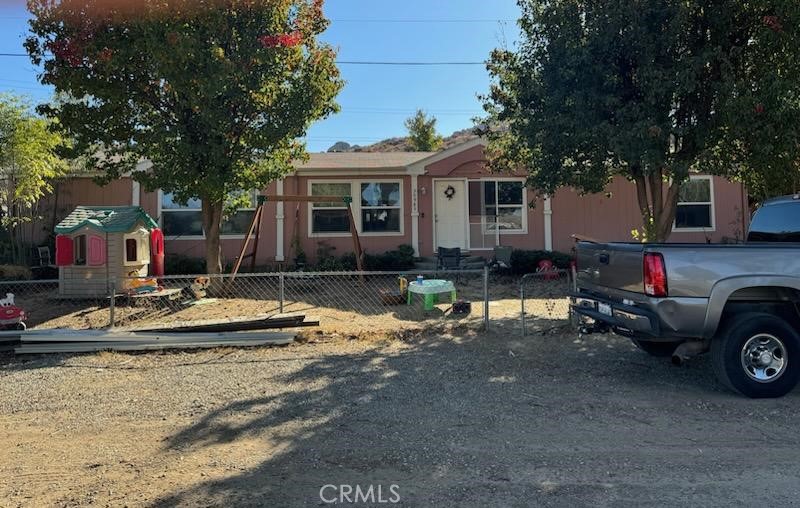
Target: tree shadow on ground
<point>468,419</point>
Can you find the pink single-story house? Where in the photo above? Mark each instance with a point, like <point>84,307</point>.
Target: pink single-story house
<point>422,199</point>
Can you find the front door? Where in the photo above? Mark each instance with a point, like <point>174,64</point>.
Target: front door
<point>450,214</point>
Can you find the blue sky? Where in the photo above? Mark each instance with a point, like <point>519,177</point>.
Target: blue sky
<point>376,98</point>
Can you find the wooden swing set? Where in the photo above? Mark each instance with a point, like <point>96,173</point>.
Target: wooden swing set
<point>255,226</point>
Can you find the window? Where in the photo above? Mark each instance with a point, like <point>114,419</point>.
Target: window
<point>695,205</point>
<point>187,220</point>
<point>330,217</point>
<point>377,208</point>
<point>181,220</point>
<point>131,250</point>
<point>380,207</point>
<point>239,222</point>
<point>498,205</point>
<point>137,247</point>
<point>79,248</point>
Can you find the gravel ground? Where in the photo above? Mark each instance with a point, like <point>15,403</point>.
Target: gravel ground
<point>453,418</point>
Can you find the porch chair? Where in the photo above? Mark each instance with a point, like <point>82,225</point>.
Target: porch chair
<point>42,258</point>
<point>502,257</point>
<point>448,259</point>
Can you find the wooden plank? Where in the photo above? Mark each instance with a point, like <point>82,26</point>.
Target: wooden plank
<point>264,323</point>
<point>356,242</point>
<point>138,346</point>
<point>246,242</point>
<point>307,199</point>
<point>155,337</point>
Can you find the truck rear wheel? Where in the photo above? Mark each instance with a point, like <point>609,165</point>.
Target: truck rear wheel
<point>757,354</point>
<point>658,349</point>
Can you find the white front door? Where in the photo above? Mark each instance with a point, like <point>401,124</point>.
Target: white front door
<point>450,214</point>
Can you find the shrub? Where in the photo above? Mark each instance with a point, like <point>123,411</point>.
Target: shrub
<point>400,259</point>
<point>178,264</point>
<point>15,272</point>
<point>526,261</point>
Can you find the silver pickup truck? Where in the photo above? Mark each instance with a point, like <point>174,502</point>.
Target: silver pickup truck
<point>738,301</point>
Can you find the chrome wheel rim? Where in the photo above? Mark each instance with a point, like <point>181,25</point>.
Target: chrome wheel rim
<point>764,358</point>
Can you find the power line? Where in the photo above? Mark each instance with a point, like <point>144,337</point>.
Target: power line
<point>379,20</point>
<point>441,20</point>
<point>341,62</point>
<point>379,62</point>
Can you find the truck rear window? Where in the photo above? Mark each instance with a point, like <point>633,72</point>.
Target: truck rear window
<point>776,223</point>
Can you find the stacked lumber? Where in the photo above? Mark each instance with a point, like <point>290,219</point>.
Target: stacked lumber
<point>234,325</point>
<point>190,335</point>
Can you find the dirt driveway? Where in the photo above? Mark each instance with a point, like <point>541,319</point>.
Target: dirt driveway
<point>452,419</point>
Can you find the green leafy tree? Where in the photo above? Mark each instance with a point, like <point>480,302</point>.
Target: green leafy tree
<point>422,132</point>
<point>214,93</point>
<point>29,163</point>
<point>651,90</point>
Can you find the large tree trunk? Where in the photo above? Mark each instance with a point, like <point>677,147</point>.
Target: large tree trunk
<point>657,209</point>
<point>212,223</point>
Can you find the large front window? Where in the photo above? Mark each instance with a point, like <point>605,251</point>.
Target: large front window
<point>380,207</point>
<point>186,220</point>
<point>695,205</point>
<point>377,207</point>
<point>497,205</point>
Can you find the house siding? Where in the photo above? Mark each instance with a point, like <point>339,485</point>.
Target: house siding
<point>613,214</point>
<point>596,215</point>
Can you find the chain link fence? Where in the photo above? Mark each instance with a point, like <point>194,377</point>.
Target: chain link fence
<point>350,301</point>
<point>544,301</point>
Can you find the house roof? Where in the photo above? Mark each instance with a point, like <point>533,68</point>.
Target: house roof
<point>363,160</point>
<point>108,219</point>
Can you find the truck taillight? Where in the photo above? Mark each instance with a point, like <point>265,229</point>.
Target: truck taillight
<point>655,275</point>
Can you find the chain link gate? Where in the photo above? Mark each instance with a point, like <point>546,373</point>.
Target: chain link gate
<point>544,300</point>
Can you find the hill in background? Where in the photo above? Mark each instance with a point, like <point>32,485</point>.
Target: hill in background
<point>400,144</point>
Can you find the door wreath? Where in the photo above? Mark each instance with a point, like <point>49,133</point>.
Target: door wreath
<point>450,191</point>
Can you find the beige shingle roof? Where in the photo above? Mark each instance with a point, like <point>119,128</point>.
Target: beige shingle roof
<point>362,160</point>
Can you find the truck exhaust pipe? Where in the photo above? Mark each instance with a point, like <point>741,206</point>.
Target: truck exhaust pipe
<point>688,350</point>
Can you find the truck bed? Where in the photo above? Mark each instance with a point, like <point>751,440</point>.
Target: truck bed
<point>692,269</point>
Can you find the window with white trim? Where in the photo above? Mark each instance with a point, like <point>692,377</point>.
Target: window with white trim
<point>498,204</point>
<point>695,205</point>
<point>377,207</point>
<point>380,207</point>
<point>332,216</point>
<point>186,220</point>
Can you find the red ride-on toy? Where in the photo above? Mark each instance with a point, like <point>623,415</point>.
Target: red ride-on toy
<point>11,316</point>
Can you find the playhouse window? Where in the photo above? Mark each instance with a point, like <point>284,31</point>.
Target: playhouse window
<point>131,250</point>
<point>186,220</point>
<point>79,248</point>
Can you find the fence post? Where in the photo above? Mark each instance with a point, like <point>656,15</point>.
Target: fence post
<point>486,297</point>
<point>522,300</point>
<point>112,292</point>
<point>281,286</point>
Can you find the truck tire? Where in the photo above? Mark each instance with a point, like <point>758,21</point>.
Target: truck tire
<point>757,354</point>
<point>658,349</point>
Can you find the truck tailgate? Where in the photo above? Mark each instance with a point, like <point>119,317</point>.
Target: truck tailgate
<point>611,265</point>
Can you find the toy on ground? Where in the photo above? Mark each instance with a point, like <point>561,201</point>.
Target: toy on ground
<point>547,270</point>
<point>431,289</point>
<point>199,287</point>
<point>138,285</point>
<point>11,316</point>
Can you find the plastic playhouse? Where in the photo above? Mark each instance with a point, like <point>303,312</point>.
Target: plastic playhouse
<point>98,246</point>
